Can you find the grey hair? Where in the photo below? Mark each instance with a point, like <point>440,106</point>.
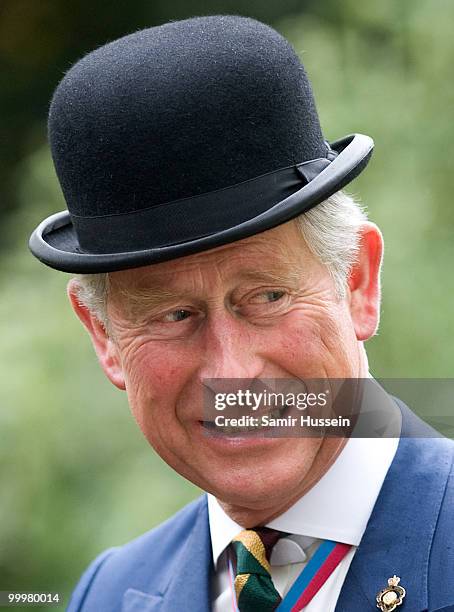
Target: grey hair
<point>330,230</point>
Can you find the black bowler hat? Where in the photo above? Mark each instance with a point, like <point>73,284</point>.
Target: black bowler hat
<point>184,137</point>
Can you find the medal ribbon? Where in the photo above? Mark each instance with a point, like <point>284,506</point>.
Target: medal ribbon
<point>327,557</point>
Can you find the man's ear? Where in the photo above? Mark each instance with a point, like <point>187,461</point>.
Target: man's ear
<point>105,347</point>
<point>364,282</point>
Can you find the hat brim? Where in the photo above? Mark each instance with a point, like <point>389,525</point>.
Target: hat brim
<point>55,243</point>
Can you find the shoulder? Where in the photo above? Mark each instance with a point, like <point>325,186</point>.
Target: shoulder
<point>429,458</point>
<point>141,563</point>
<point>441,562</point>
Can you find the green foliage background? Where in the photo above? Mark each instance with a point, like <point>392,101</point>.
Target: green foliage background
<point>76,476</point>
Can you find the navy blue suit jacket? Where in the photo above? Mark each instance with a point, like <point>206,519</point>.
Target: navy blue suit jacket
<point>410,533</point>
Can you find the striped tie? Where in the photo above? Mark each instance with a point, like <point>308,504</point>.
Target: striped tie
<point>255,591</point>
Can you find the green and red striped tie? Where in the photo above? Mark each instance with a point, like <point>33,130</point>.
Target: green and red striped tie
<point>254,587</point>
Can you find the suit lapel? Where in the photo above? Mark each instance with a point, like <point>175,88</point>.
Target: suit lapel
<point>399,534</point>
<point>189,587</point>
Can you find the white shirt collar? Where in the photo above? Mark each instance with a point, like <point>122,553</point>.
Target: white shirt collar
<point>338,506</point>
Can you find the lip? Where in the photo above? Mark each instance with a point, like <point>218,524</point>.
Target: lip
<point>240,441</point>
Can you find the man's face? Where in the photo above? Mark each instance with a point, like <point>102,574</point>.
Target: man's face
<point>260,308</point>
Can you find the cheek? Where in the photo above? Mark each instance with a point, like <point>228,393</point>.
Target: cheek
<point>314,340</point>
<point>154,379</point>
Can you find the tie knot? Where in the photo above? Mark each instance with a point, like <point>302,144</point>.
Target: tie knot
<point>259,543</point>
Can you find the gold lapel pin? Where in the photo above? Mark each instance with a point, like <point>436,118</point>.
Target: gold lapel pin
<point>392,596</point>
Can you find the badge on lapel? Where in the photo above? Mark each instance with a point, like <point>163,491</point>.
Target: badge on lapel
<point>392,596</point>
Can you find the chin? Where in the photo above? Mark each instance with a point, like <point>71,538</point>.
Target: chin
<point>249,496</point>
<point>259,488</point>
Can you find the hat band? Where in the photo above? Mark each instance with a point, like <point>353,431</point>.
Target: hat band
<point>195,217</point>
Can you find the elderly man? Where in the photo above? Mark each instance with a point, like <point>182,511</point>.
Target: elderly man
<point>212,241</point>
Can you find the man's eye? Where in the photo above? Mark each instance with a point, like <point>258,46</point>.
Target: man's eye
<point>274,296</point>
<point>267,296</point>
<point>177,315</point>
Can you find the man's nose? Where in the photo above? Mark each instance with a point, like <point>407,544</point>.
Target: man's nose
<point>231,349</point>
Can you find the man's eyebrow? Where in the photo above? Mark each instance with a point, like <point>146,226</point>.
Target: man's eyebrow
<point>138,299</point>
<point>274,276</point>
